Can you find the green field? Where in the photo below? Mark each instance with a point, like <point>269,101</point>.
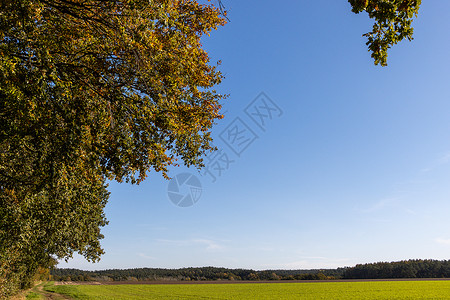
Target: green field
<point>311,290</point>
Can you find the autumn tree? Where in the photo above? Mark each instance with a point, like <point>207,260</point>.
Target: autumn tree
<point>93,90</point>
<point>393,19</point>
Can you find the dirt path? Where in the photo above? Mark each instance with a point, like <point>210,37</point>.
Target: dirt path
<point>39,289</point>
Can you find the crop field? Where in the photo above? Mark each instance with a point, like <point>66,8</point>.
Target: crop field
<point>308,290</point>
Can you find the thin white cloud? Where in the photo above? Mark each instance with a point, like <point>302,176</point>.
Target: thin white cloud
<point>210,245</point>
<point>396,203</point>
<point>382,204</point>
<point>443,160</point>
<point>174,242</point>
<point>442,241</point>
<point>411,212</point>
<point>145,256</point>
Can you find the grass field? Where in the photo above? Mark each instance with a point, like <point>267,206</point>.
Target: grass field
<point>312,290</point>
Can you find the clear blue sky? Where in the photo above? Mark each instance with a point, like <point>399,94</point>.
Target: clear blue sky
<point>356,169</point>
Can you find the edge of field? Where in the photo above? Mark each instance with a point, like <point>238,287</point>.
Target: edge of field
<point>158,282</point>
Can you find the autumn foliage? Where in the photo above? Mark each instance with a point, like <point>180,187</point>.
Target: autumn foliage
<point>93,90</point>
<point>393,19</point>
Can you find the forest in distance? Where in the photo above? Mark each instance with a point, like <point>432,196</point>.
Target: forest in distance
<point>417,268</point>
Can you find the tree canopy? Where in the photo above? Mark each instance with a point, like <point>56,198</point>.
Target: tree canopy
<point>93,90</point>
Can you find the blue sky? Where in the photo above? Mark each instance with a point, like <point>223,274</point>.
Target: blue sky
<point>354,167</point>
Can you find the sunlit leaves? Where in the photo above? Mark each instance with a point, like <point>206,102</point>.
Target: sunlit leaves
<point>393,20</point>
<point>94,90</point>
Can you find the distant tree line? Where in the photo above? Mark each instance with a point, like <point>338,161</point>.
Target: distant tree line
<point>192,274</point>
<point>417,268</point>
